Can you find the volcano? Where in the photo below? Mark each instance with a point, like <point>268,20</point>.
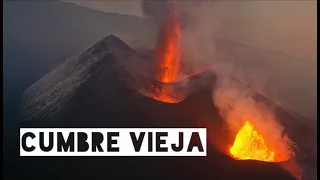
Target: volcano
<point>101,88</point>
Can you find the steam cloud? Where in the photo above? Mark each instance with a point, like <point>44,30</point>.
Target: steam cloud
<point>277,58</point>
<point>285,79</point>
<point>204,24</point>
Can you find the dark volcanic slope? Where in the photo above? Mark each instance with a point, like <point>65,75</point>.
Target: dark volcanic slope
<point>89,91</point>
<point>50,94</point>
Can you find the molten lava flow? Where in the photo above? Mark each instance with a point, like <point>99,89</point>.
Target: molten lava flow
<point>249,144</point>
<point>168,50</point>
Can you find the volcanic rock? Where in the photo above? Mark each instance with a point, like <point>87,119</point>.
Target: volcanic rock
<point>94,90</point>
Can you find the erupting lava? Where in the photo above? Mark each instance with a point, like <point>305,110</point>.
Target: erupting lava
<point>168,69</point>
<point>167,56</point>
<point>249,144</point>
<point>168,51</point>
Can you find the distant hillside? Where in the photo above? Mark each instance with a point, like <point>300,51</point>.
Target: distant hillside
<point>40,35</point>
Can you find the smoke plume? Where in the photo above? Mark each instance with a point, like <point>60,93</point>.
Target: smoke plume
<point>205,25</point>
<point>265,47</point>
<point>280,71</point>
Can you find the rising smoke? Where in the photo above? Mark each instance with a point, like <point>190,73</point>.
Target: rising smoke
<point>206,23</point>
<point>273,73</point>
<point>273,53</point>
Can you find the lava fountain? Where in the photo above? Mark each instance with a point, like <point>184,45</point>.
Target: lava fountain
<point>167,55</point>
<point>168,49</point>
<point>250,145</point>
<point>170,78</point>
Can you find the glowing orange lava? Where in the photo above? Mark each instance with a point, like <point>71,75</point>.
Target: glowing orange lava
<point>168,49</point>
<point>164,92</point>
<point>163,96</point>
<point>167,56</point>
<point>249,144</point>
